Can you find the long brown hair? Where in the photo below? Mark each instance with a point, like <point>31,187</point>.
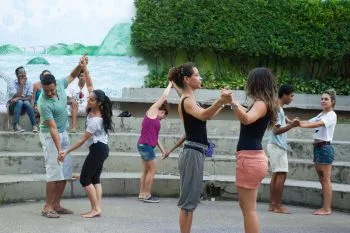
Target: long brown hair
<point>261,85</point>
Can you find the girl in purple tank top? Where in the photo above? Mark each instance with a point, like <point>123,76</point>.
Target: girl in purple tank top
<point>148,141</point>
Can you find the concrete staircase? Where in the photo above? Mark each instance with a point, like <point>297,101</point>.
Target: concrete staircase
<point>22,172</point>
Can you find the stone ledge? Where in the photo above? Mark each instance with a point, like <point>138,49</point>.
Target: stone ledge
<point>305,193</point>
<point>205,96</point>
<point>33,163</point>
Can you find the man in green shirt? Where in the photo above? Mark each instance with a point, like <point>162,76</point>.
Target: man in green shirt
<point>52,106</point>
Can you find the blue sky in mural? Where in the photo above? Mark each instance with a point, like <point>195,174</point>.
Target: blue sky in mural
<point>47,22</point>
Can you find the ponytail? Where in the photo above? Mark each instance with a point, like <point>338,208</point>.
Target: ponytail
<point>106,110</point>
<point>177,74</point>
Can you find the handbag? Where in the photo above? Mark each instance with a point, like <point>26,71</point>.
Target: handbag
<point>211,148</point>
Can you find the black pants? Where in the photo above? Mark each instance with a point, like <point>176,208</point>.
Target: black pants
<point>92,168</point>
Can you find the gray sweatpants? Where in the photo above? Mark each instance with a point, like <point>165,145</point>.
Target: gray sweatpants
<point>191,166</point>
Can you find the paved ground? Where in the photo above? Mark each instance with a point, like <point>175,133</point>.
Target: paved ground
<point>127,215</point>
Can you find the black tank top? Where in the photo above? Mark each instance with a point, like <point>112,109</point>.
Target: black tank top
<point>251,135</point>
<point>195,129</point>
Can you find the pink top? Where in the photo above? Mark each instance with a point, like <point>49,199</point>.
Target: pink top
<point>149,131</point>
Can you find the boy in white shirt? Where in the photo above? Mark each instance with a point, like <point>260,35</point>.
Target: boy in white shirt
<point>77,97</point>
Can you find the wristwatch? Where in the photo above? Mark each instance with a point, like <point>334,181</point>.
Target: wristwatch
<point>234,106</point>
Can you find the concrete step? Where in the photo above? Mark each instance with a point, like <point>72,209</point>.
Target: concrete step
<point>175,127</point>
<point>16,188</point>
<point>33,163</point>
<point>126,142</point>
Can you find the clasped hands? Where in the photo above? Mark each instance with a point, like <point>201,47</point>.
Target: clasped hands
<point>61,156</point>
<point>226,96</point>
<point>295,122</point>
<point>84,60</point>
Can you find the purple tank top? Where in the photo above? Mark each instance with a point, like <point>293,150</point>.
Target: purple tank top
<point>149,131</point>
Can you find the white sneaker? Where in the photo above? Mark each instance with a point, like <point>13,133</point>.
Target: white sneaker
<point>18,128</point>
<point>35,129</point>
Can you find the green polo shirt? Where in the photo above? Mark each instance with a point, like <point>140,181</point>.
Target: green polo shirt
<point>54,108</point>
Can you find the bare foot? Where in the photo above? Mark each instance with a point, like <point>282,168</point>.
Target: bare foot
<point>281,210</point>
<point>85,213</point>
<point>271,207</point>
<point>322,211</point>
<point>92,214</point>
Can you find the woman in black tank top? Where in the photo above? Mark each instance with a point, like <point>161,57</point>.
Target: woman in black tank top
<point>251,161</point>
<point>191,160</point>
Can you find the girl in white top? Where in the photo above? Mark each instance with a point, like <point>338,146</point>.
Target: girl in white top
<point>99,122</point>
<point>324,124</point>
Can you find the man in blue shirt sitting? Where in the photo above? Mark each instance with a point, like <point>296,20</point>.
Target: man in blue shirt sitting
<point>21,93</point>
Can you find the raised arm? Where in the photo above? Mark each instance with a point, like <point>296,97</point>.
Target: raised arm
<point>88,79</point>
<point>75,72</point>
<point>277,129</point>
<point>153,110</point>
<point>307,124</point>
<point>258,110</point>
<point>177,89</point>
<point>192,108</point>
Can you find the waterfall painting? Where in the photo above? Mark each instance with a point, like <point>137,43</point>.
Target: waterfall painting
<point>52,35</point>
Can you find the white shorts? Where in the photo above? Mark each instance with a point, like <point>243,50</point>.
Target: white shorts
<point>278,158</point>
<point>55,171</point>
<point>81,110</point>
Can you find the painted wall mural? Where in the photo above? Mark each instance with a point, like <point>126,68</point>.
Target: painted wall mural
<point>53,34</point>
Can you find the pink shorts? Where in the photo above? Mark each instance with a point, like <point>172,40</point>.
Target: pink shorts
<point>251,168</point>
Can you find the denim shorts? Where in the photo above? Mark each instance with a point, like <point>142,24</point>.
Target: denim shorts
<point>324,154</point>
<point>146,151</point>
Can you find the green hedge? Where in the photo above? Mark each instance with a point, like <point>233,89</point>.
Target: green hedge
<point>237,82</point>
<point>296,38</point>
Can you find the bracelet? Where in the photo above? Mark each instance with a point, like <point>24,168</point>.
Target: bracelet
<point>234,106</point>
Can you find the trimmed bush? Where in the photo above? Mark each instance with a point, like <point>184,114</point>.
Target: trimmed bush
<point>309,39</point>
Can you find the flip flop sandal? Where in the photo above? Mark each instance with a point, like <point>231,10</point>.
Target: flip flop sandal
<point>64,211</point>
<point>50,214</point>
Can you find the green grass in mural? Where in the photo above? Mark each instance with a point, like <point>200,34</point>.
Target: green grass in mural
<point>37,61</point>
<point>9,49</point>
<point>72,49</point>
<point>115,43</point>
